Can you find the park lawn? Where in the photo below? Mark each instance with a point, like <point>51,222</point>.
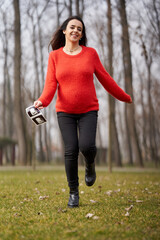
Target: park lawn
<point>33,205</point>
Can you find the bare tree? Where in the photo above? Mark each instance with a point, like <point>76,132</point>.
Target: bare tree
<point>20,128</point>
<point>113,152</point>
<point>133,147</point>
<point>79,8</point>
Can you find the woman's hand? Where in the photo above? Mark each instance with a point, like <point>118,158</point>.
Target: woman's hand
<point>130,101</point>
<point>38,104</point>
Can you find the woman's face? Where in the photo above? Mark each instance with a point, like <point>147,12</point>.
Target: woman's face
<point>73,31</point>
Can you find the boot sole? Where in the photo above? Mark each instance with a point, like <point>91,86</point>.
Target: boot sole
<point>74,206</point>
<point>89,184</point>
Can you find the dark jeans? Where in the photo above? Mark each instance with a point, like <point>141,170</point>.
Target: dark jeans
<point>79,133</point>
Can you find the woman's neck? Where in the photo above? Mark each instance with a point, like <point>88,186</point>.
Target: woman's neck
<point>70,46</point>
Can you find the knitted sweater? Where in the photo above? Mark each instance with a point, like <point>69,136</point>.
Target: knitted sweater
<point>72,75</point>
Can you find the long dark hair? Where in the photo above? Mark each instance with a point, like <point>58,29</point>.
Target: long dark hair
<point>58,39</point>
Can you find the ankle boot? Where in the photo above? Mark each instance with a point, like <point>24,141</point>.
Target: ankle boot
<point>90,174</point>
<point>73,198</point>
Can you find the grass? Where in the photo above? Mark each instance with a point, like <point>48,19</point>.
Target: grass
<point>24,216</point>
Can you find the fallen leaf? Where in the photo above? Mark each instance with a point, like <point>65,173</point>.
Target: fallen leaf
<point>95,217</point>
<point>62,210</point>
<point>129,208</point>
<point>17,215</point>
<point>89,215</point>
<point>93,201</point>
<point>127,214</point>
<point>40,213</point>
<point>139,201</point>
<point>43,197</point>
<point>109,193</point>
<point>27,200</point>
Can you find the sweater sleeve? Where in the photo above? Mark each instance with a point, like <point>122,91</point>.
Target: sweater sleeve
<point>50,85</point>
<point>108,82</point>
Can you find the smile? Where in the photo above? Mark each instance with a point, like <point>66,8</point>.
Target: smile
<point>74,35</point>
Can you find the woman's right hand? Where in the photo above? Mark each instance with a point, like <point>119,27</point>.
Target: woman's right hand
<point>38,104</point>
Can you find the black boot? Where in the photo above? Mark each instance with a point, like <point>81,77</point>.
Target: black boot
<point>90,174</point>
<point>73,198</point>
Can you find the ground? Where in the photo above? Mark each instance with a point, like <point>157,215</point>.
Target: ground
<point>121,205</point>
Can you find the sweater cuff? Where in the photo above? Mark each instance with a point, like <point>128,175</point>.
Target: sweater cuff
<point>44,103</point>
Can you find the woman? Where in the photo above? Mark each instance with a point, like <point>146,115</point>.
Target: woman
<point>70,70</point>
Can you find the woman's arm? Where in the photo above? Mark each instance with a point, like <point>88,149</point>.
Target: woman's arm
<point>50,85</point>
<point>108,82</point>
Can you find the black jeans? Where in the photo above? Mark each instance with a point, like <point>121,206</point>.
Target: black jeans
<point>79,133</point>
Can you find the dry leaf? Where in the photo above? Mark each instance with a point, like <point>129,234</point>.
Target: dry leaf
<point>27,200</point>
<point>127,214</point>
<point>62,210</point>
<point>109,193</point>
<point>43,197</point>
<point>95,217</point>
<point>139,201</point>
<point>89,215</point>
<point>128,209</point>
<point>93,201</point>
<point>17,215</point>
<point>40,213</point>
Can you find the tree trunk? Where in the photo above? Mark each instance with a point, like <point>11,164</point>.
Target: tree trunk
<point>46,133</point>
<point>57,10</point>
<point>113,152</point>
<point>77,8</point>
<point>151,113</point>
<point>134,149</point>
<point>144,118</point>
<point>41,154</point>
<point>70,8</point>
<point>13,154</point>
<point>22,146</point>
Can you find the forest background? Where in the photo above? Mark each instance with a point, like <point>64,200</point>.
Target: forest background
<point>126,35</point>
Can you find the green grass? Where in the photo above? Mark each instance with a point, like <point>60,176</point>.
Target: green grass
<point>24,216</point>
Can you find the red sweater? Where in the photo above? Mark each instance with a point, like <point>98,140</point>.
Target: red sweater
<point>73,76</point>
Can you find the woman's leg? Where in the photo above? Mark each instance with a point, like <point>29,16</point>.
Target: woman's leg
<point>87,138</point>
<point>87,135</point>
<point>68,127</point>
